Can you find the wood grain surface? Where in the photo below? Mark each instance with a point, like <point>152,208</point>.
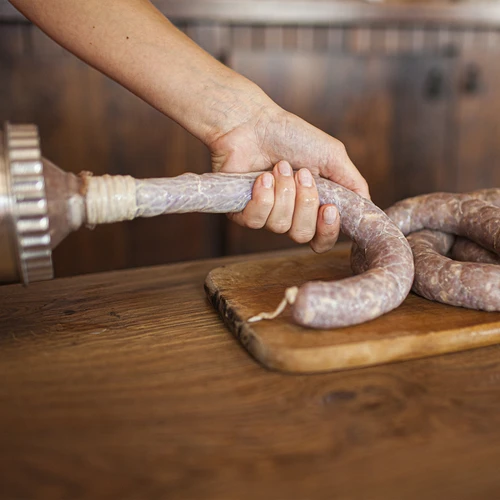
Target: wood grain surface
<point>128,385</point>
<point>417,328</point>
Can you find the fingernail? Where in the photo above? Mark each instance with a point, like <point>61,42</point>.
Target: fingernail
<point>267,180</point>
<point>305,178</point>
<point>329,215</point>
<point>285,169</point>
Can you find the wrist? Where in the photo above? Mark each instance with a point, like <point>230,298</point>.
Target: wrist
<point>233,103</point>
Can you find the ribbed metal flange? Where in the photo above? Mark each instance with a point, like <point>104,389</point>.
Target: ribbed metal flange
<point>29,202</point>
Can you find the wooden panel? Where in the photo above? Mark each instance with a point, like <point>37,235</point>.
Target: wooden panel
<point>477,120</point>
<point>88,122</point>
<point>420,139</point>
<point>381,107</point>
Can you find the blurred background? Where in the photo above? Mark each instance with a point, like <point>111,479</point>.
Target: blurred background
<point>412,89</point>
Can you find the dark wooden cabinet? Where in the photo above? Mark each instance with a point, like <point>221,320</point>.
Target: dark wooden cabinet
<point>477,117</point>
<point>414,93</point>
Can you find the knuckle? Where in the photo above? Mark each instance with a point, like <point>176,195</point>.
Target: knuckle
<point>288,192</point>
<point>255,223</point>
<point>341,149</point>
<point>311,200</point>
<point>302,236</point>
<point>266,202</point>
<point>280,227</point>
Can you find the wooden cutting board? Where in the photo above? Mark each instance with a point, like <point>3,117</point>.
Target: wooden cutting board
<point>418,328</point>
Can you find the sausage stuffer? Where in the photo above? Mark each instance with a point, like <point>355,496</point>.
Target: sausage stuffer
<point>40,204</point>
<point>32,193</point>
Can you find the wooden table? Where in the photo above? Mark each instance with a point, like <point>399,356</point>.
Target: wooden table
<point>127,385</point>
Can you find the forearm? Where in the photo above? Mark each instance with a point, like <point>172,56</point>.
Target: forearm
<point>133,43</point>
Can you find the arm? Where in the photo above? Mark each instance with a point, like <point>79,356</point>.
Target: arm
<point>133,43</point>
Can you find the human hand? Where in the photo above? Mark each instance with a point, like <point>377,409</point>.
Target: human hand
<point>281,202</point>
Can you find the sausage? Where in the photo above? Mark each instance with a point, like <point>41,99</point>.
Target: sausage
<point>472,214</point>
<point>389,262</point>
<point>461,214</point>
<point>467,251</point>
<point>464,284</point>
<point>388,273</point>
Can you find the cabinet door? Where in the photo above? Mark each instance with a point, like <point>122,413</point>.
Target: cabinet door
<point>477,154</point>
<point>391,112</point>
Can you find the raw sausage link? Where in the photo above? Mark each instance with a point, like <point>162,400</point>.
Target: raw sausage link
<point>471,215</point>
<point>460,214</point>
<point>464,284</point>
<point>436,277</point>
<point>465,250</point>
<point>389,271</point>
<point>384,285</point>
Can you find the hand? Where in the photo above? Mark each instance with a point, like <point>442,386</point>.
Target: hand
<point>286,203</point>
<point>281,202</point>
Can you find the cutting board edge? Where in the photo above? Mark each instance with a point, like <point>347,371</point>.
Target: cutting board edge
<point>239,328</point>
<point>336,358</point>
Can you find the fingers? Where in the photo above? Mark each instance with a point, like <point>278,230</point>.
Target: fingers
<point>306,208</point>
<point>273,201</point>
<point>258,209</point>
<point>282,202</point>
<point>280,218</point>
<point>327,230</point>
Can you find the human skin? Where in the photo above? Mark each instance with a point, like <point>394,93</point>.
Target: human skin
<point>245,131</point>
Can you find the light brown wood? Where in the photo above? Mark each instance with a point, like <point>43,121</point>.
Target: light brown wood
<point>127,385</point>
<point>417,328</point>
